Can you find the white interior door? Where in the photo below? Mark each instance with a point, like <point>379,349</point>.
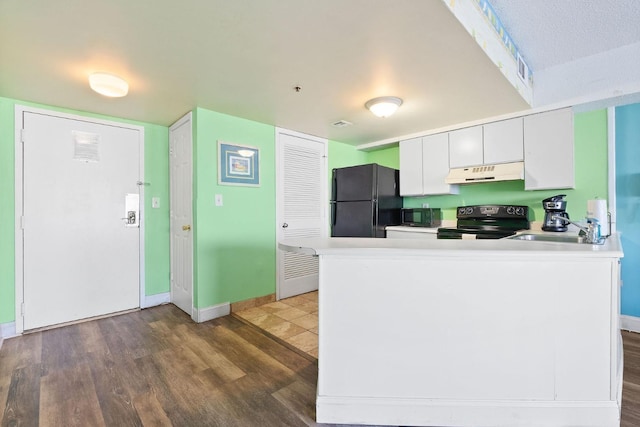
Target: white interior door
<point>80,219</point>
<point>302,204</point>
<point>180,165</point>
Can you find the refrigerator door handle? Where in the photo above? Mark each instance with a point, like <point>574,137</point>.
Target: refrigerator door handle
<point>334,186</point>
<point>333,213</point>
<point>374,217</point>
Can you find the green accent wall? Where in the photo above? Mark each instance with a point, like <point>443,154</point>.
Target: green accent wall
<point>7,212</point>
<point>591,178</point>
<point>156,172</point>
<point>234,244</point>
<point>389,157</point>
<point>343,155</point>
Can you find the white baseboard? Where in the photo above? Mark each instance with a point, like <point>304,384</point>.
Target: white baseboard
<point>630,323</point>
<point>157,299</point>
<point>7,329</point>
<point>209,313</point>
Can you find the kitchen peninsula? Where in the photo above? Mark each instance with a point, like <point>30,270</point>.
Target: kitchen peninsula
<point>467,333</point>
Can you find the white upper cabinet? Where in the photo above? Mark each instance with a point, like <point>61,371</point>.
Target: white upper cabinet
<point>548,150</point>
<point>435,165</point>
<point>544,141</point>
<point>411,167</point>
<point>503,141</point>
<point>465,147</point>
<point>424,164</point>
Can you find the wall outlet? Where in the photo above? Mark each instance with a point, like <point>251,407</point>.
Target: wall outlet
<point>155,202</point>
<point>425,205</point>
<point>218,199</point>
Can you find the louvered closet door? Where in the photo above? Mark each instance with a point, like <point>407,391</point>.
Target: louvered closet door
<point>303,202</point>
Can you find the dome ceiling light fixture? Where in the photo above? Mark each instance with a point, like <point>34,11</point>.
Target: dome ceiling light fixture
<point>108,84</point>
<point>383,106</point>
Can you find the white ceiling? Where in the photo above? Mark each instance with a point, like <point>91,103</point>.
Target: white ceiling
<point>244,57</point>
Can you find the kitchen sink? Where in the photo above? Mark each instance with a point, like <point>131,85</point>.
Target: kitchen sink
<point>551,238</point>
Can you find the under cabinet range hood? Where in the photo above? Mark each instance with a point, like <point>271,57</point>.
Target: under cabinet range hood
<point>486,173</point>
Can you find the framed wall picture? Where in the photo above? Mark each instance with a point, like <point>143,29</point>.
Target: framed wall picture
<point>238,164</point>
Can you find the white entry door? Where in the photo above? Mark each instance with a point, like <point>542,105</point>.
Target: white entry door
<point>80,218</point>
<point>302,205</point>
<point>181,176</point>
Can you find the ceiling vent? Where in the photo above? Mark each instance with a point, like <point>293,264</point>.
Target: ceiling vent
<point>341,124</point>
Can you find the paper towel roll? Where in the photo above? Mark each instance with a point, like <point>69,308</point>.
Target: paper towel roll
<point>598,209</point>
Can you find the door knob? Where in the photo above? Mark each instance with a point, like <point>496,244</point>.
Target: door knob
<point>285,225</point>
<point>186,227</point>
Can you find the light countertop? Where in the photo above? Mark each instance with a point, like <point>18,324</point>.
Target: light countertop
<point>444,247</point>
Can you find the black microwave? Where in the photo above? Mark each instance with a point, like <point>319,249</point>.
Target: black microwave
<point>422,217</point>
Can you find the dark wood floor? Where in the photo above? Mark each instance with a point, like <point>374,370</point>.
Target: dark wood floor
<point>156,367</point>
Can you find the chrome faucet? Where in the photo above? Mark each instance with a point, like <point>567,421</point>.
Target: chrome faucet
<point>591,231</point>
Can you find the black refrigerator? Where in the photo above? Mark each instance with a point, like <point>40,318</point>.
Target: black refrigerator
<point>364,200</point>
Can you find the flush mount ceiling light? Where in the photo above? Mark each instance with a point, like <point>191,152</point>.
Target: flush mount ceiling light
<point>246,153</point>
<point>383,106</point>
<point>108,85</point>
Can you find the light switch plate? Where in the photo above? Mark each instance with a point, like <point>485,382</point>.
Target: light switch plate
<point>155,202</point>
<point>218,199</point>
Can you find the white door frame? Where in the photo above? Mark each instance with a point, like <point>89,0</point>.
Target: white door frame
<point>19,161</point>
<point>279,201</point>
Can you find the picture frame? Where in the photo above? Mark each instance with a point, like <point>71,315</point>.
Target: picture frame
<point>238,164</point>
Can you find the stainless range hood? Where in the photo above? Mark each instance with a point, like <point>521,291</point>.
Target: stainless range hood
<point>486,173</point>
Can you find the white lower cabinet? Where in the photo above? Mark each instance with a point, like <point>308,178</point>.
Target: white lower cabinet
<point>548,150</point>
<point>424,164</point>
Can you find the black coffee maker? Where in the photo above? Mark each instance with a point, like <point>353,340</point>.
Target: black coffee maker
<point>555,209</point>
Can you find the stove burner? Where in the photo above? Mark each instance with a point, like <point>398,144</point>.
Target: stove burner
<point>487,222</point>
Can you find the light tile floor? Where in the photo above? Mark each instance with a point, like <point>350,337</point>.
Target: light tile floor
<point>294,320</point>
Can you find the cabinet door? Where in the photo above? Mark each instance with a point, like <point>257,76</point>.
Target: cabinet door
<point>435,165</point>
<point>411,167</point>
<point>503,141</point>
<point>548,150</point>
<point>465,147</point>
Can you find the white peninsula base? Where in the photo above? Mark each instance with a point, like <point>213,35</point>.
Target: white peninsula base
<point>454,333</point>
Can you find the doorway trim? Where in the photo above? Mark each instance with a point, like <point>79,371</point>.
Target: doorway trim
<point>19,188</point>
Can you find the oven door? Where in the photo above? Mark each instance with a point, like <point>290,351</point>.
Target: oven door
<point>473,233</point>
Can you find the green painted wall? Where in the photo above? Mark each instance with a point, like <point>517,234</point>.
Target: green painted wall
<point>590,174</point>
<point>389,157</point>
<point>7,215</point>
<point>156,220</point>
<point>343,155</point>
<point>235,246</point>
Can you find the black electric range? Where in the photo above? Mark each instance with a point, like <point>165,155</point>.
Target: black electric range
<point>487,222</point>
